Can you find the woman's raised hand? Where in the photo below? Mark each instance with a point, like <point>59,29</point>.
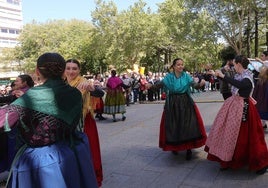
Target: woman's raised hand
<point>86,85</point>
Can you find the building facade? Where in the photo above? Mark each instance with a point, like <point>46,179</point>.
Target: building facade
<point>11,24</point>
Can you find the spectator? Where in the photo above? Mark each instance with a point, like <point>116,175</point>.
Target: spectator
<point>127,87</point>
<point>143,91</point>
<point>135,86</point>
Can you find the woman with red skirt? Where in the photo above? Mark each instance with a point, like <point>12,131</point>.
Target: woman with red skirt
<point>74,79</point>
<point>181,126</point>
<point>236,138</point>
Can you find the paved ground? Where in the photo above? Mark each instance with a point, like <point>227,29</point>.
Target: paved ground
<point>132,159</point>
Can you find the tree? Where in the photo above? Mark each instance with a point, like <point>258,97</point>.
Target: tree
<point>65,37</point>
<point>187,29</point>
<point>191,33</point>
<point>233,19</point>
<point>126,37</point>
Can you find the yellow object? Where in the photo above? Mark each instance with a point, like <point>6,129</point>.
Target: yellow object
<point>142,70</point>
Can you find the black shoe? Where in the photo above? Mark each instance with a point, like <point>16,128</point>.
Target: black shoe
<point>123,118</point>
<point>114,120</point>
<point>101,118</point>
<point>188,155</point>
<point>97,116</point>
<point>224,168</point>
<point>3,183</point>
<point>261,171</point>
<point>174,152</point>
<point>265,126</point>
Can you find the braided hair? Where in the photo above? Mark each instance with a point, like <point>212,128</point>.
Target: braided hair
<point>51,65</point>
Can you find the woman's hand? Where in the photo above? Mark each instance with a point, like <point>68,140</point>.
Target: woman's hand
<point>212,72</point>
<point>86,85</point>
<point>17,93</point>
<point>258,59</point>
<point>218,73</point>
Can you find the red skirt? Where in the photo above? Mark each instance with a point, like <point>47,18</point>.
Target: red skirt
<point>251,149</point>
<point>97,104</point>
<point>185,146</point>
<point>91,131</point>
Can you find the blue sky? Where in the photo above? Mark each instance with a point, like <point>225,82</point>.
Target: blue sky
<point>44,10</point>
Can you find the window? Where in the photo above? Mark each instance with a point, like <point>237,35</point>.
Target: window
<point>3,30</point>
<point>15,2</point>
<point>12,31</point>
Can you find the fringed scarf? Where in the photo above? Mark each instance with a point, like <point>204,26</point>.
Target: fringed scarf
<point>85,95</point>
<point>47,98</point>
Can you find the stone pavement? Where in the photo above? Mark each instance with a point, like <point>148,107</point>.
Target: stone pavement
<point>132,159</point>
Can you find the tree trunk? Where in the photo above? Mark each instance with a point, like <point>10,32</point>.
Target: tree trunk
<point>256,52</point>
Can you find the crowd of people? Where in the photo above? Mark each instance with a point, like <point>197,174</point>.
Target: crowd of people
<point>56,138</point>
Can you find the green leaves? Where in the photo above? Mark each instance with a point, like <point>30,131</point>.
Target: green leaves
<point>193,30</point>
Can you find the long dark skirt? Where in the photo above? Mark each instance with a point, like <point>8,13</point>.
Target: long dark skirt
<point>181,126</point>
<point>8,149</point>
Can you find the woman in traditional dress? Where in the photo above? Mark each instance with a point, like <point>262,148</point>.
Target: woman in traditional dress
<point>54,153</point>
<point>181,126</point>
<point>97,101</point>
<point>8,144</point>
<point>73,77</point>
<point>22,84</point>
<point>115,100</point>
<point>236,138</point>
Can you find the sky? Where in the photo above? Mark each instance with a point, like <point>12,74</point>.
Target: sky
<point>44,10</point>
